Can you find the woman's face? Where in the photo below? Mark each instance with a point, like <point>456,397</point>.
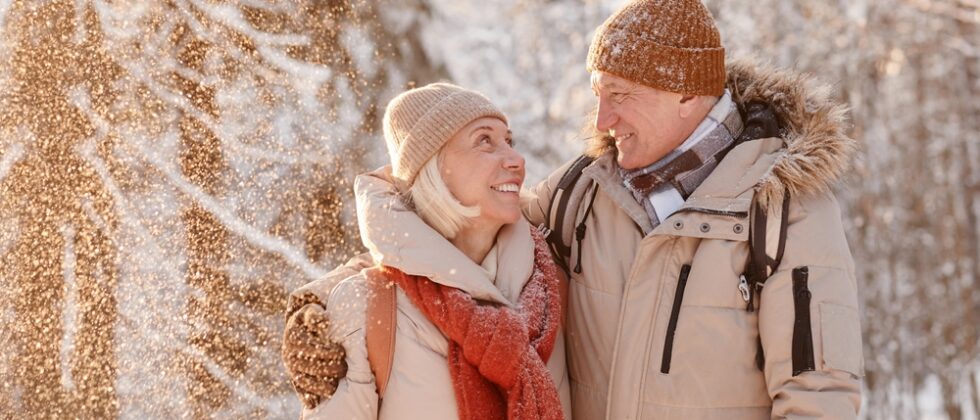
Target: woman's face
<point>481,169</point>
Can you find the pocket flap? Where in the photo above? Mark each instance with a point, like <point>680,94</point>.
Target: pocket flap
<point>840,331</point>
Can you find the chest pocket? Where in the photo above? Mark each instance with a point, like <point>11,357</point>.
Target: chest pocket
<point>721,249</point>
<point>710,346</point>
<point>715,275</point>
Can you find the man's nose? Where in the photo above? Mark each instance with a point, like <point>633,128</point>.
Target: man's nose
<point>604,117</point>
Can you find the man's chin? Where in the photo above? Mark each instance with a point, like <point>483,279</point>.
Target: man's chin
<point>623,162</point>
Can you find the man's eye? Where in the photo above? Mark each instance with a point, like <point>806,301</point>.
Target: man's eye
<point>484,140</point>
<point>617,96</point>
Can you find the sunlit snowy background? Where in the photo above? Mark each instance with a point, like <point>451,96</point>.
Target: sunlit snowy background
<point>170,170</point>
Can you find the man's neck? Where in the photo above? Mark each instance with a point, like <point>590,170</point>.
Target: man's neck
<point>707,104</point>
<point>704,111</point>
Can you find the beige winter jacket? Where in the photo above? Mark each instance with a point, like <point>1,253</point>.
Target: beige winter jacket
<point>419,386</point>
<point>620,305</point>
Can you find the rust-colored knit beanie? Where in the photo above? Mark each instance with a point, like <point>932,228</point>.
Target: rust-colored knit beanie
<point>420,121</point>
<point>671,45</point>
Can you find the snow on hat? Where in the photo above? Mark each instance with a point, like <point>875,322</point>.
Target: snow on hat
<point>671,45</point>
<point>420,121</point>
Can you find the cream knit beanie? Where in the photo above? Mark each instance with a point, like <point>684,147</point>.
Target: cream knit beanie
<point>420,121</point>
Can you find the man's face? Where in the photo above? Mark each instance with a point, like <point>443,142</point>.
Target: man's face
<point>647,123</point>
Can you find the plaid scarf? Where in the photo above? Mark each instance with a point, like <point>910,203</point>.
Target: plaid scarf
<point>689,165</point>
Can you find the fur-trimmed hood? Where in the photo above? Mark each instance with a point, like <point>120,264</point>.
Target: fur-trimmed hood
<point>818,150</point>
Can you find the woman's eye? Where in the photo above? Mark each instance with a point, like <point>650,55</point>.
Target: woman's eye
<point>484,140</point>
<point>618,96</point>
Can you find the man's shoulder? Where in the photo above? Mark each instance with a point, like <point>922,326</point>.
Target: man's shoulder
<point>538,200</point>
<point>818,206</point>
<point>576,163</point>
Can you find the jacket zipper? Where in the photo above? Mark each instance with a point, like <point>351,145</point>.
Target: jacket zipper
<point>802,334</point>
<point>672,324</point>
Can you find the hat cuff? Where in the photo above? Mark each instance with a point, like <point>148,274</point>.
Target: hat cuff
<point>691,71</point>
<point>435,128</point>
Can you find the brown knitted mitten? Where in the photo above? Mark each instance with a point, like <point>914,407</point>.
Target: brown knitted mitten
<point>315,364</point>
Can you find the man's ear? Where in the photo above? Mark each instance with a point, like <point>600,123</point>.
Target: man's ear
<point>689,104</point>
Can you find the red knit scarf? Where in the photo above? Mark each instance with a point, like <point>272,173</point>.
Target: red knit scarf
<point>497,355</point>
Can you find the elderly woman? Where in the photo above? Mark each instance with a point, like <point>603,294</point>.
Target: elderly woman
<point>477,326</point>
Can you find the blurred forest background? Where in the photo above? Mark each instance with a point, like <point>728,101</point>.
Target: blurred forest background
<point>171,169</point>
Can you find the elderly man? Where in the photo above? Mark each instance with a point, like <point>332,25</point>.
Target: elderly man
<point>709,272</point>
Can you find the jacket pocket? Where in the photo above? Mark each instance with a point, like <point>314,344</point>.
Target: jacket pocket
<point>674,313</point>
<point>827,327</point>
<point>802,330</point>
<point>840,330</point>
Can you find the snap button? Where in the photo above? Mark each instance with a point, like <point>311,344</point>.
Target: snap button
<point>705,227</point>
<point>737,228</point>
<point>678,225</point>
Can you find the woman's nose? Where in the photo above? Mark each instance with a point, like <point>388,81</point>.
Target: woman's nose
<point>513,159</point>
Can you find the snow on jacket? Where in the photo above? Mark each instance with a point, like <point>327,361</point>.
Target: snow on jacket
<point>420,385</point>
<point>620,305</point>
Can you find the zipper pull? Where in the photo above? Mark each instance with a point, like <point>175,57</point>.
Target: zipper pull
<point>743,286</point>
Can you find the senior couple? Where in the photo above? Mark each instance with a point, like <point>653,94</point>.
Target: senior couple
<point>691,264</point>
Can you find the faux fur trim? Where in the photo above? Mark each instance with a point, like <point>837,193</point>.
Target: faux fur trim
<point>818,149</point>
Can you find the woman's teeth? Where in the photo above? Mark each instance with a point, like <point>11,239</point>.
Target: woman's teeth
<point>507,188</point>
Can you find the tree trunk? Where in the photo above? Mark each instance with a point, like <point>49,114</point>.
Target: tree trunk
<point>65,220</point>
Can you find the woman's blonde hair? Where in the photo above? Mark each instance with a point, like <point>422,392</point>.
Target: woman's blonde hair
<point>435,204</point>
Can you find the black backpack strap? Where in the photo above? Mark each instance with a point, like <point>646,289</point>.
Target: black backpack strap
<point>755,271</point>
<point>580,229</point>
<point>782,232</point>
<point>761,265</point>
<point>761,121</point>
<point>558,208</point>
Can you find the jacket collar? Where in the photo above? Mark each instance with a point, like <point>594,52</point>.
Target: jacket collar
<point>727,191</point>
<point>605,173</point>
<point>817,148</point>
<point>396,236</point>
